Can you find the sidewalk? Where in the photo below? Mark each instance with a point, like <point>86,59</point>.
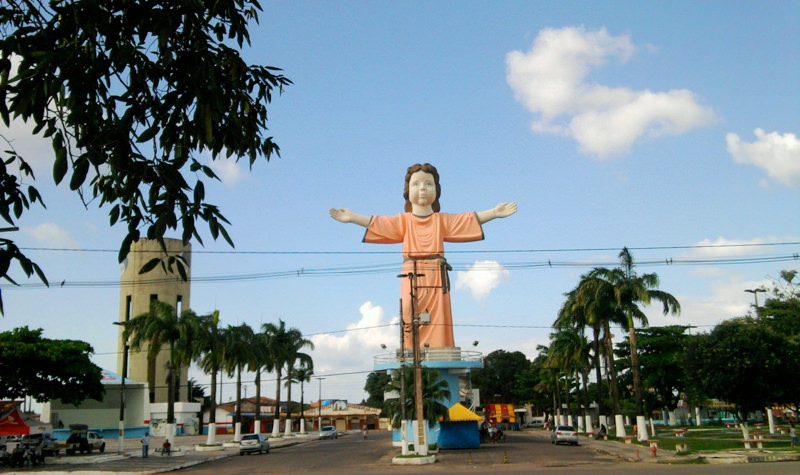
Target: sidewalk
<point>185,454</point>
<point>637,453</point>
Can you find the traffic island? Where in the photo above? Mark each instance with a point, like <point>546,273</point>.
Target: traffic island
<point>414,460</point>
<point>208,448</point>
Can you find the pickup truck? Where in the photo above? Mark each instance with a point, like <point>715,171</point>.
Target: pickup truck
<point>83,441</point>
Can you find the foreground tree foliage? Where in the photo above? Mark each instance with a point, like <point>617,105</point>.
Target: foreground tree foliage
<point>740,362</point>
<point>131,93</point>
<point>434,390</point>
<point>662,351</point>
<point>47,369</point>
<point>499,374</point>
<point>375,387</point>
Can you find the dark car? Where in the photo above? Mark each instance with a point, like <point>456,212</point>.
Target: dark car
<point>252,443</point>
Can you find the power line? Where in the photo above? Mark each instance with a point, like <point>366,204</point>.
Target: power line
<point>509,251</point>
<point>382,268</point>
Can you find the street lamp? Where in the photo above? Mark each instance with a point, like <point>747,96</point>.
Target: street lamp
<point>319,405</point>
<point>121,435</point>
<point>755,295</point>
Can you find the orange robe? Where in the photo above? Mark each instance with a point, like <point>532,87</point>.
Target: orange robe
<point>423,245</point>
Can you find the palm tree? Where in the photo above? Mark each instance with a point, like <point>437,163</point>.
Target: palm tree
<point>574,315</point>
<point>569,351</point>
<point>238,341</point>
<point>277,337</point>
<point>597,301</point>
<point>210,358</point>
<point>631,290</point>
<point>159,327</point>
<point>294,344</point>
<point>262,362</point>
<point>434,390</point>
<point>301,374</point>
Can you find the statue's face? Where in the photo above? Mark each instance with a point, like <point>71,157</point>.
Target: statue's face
<point>421,189</point>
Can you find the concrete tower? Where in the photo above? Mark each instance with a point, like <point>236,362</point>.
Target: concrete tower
<point>136,293</point>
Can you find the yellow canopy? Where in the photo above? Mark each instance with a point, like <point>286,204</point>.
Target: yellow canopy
<point>459,413</point>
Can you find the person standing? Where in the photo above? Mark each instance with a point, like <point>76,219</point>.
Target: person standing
<point>793,435</point>
<point>145,441</point>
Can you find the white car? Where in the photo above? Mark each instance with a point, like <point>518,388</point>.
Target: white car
<point>252,443</point>
<point>328,432</point>
<point>564,435</point>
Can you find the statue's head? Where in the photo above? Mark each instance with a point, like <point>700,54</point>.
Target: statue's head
<point>427,168</point>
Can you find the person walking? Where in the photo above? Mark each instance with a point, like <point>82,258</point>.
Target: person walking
<point>145,441</point>
<point>793,435</point>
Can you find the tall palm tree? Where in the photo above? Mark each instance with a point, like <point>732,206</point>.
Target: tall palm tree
<point>277,337</point>
<point>434,389</point>
<point>570,352</point>
<point>238,341</point>
<point>262,362</point>
<point>294,344</point>
<point>210,358</point>
<point>302,374</point>
<point>574,315</point>
<point>598,299</point>
<point>630,291</point>
<point>160,327</point>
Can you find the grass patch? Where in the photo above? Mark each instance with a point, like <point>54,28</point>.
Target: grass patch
<point>717,440</point>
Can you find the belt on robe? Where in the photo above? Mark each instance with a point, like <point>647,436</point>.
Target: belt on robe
<point>443,268</point>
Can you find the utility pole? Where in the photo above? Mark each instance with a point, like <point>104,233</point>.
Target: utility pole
<point>121,433</point>
<point>421,447</point>
<point>319,405</point>
<point>403,434</point>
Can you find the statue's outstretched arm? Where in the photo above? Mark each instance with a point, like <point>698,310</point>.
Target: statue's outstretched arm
<point>344,215</point>
<point>500,211</point>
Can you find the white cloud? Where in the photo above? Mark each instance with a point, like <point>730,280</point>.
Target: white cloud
<point>550,81</point>
<point>228,171</point>
<point>776,154</point>
<point>723,247</point>
<point>481,278</point>
<point>725,300</point>
<point>51,235</point>
<point>352,351</point>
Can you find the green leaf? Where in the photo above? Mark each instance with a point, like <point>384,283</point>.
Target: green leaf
<point>79,171</point>
<point>60,164</point>
<point>150,265</point>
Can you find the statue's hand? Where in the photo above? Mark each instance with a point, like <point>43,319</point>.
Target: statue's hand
<point>343,215</point>
<point>505,209</point>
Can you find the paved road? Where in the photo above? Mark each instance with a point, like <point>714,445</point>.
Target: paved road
<point>351,454</point>
<point>524,452</point>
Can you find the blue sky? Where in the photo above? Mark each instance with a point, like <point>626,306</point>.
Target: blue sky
<point>661,126</point>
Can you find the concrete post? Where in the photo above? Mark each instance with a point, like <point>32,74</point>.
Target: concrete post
<point>619,420</point>
<point>771,420</point>
<point>641,425</point>
<point>697,418</point>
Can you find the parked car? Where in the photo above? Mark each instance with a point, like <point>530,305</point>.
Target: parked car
<point>328,432</point>
<point>46,442</point>
<point>535,423</point>
<point>82,440</point>
<point>251,443</point>
<point>564,435</point>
